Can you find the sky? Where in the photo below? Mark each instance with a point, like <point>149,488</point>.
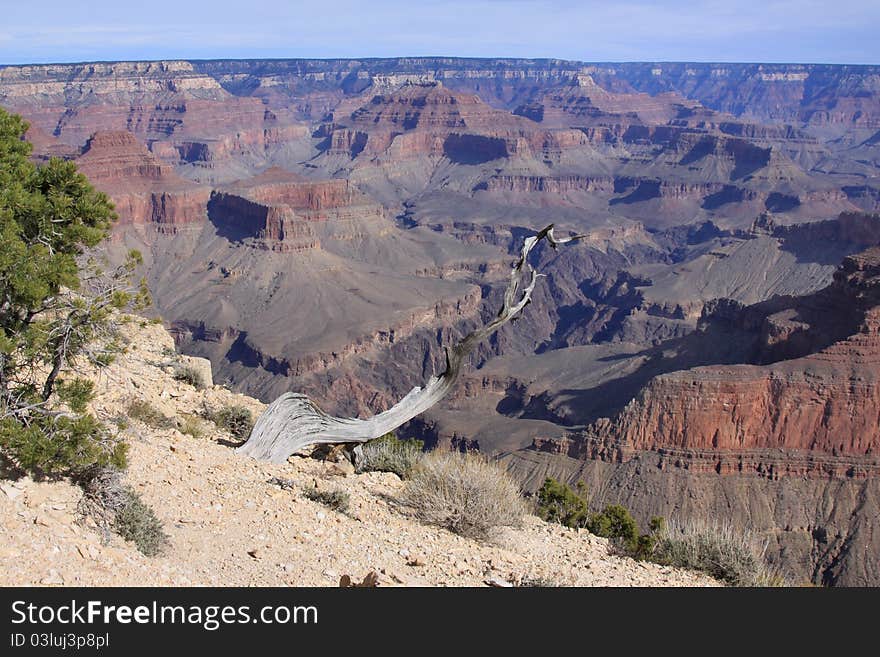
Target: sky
<point>820,31</point>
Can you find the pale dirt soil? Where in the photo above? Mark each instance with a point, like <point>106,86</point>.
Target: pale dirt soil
<point>229,526</point>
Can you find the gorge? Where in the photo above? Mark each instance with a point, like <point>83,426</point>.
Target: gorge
<point>329,226</point>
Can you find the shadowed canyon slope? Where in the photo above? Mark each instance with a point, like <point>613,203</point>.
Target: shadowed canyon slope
<point>328,226</point>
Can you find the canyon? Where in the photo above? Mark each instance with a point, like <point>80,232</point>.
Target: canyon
<point>709,350</point>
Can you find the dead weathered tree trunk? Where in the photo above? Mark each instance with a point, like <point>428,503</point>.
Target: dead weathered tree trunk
<point>293,421</point>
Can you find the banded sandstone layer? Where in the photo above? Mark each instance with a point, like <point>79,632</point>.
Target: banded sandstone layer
<point>801,431</point>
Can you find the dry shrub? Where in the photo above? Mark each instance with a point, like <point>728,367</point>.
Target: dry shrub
<point>389,454</point>
<point>237,420</point>
<point>465,493</point>
<point>116,507</point>
<point>733,556</point>
<point>145,412</point>
<point>190,375</point>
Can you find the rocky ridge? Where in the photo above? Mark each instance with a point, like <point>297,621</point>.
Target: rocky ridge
<point>229,525</point>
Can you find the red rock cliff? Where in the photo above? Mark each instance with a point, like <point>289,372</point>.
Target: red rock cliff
<point>818,415</point>
<point>144,190</point>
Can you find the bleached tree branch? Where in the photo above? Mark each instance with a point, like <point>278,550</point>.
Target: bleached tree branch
<point>293,421</point>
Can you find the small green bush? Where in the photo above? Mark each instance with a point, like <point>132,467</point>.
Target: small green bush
<point>145,412</point>
<point>390,454</point>
<point>717,550</point>
<point>338,500</point>
<point>465,493</point>
<point>136,522</point>
<point>558,502</point>
<point>238,420</point>
<point>615,522</point>
<point>645,546</point>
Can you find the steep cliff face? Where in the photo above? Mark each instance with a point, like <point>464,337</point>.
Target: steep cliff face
<point>582,102</point>
<point>815,93</point>
<point>76,81</point>
<point>557,186</point>
<point>658,159</point>
<point>426,119</point>
<point>766,91</point>
<point>184,116</point>
<point>119,157</point>
<point>285,212</point>
<point>429,105</point>
<point>825,403</point>
<point>811,413</point>
<point>144,190</point>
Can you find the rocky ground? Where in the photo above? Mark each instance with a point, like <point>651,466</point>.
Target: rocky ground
<point>228,525</point>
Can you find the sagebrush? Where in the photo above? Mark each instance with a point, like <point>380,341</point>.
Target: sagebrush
<point>717,549</point>
<point>115,506</point>
<point>237,420</point>
<point>465,493</point>
<point>390,454</point>
<point>137,522</point>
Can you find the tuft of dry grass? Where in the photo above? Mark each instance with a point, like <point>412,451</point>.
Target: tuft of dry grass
<point>143,411</point>
<point>338,500</point>
<point>190,375</point>
<point>193,426</point>
<point>465,493</point>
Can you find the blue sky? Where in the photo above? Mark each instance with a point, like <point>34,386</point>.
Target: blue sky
<point>843,31</point>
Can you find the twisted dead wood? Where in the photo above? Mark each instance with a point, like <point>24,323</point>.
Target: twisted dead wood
<point>293,421</point>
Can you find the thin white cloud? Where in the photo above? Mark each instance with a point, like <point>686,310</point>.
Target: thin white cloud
<point>771,30</point>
